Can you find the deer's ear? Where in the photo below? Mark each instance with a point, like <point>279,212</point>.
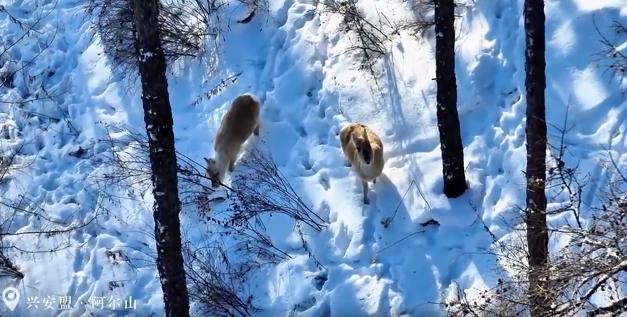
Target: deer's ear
<point>206,160</point>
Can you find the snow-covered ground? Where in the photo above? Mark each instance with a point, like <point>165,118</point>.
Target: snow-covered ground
<point>294,57</point>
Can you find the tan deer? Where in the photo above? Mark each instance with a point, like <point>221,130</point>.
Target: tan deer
<point>238,124</point>
<point>364,151</point>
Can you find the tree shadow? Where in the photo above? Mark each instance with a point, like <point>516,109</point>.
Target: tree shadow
<point>417,253</point>
<point>405,146</point>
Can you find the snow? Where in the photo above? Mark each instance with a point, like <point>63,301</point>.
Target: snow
<point>294,58</point>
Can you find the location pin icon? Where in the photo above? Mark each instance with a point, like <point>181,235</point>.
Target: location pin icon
<point>11,297</point>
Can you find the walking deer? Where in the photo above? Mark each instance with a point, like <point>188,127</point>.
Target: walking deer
<point>238,124</point>
<point>364,151</point>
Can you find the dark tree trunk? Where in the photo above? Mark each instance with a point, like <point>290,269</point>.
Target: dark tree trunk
<point>448,120</point>
<point>159,124</point>
<point>537,232</point>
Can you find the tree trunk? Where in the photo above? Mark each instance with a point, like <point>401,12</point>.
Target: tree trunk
<point>537,232</point>
<point>159,124</point>
<point>448,120</point>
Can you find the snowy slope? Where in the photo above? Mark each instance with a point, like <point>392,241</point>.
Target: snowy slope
<point>294,57</point>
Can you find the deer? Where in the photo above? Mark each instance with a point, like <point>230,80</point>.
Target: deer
<point>238,124</point>
<point>363,150</point>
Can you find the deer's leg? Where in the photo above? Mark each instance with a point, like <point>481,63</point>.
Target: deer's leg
<point>364,185</point>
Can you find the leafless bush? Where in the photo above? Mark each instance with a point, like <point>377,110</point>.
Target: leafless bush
<point>23,80</point>
<point>228,254</point>
<point>255,7</point>
<point>500,301</point>
<point>23,83</point>
<point>217,89</point>
<point>613,54</point>
<point>595,256</point>
<point>259,189</point>
<point>594,262</point>
<point>590,265</point>
<point>563,182</point>
<point>235,243</point>
<point>372,37</point>
<point>262,189</point>
<point>183,27</point>
<point>42,226</point>
<point>7,267</point>
<point>215,280</point>
<point>129,170</point>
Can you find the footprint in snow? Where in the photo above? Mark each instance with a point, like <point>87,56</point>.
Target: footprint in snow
<point>307,164</point>
<point>324,210</point>
<point>323,178</point>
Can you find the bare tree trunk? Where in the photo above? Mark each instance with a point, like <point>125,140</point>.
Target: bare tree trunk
<point>448,120</point>
<point>159,124</point>
<point>537,232</point>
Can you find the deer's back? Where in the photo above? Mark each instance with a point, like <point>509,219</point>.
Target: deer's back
<point>240,121</point>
